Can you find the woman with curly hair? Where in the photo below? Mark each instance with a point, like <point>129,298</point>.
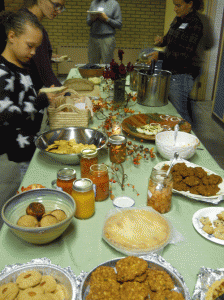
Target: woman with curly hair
<point>180,55</point>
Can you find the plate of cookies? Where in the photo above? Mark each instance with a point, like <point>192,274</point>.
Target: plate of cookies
<point>37,279</point>
<point>125,278</point>
<point>209,222</point>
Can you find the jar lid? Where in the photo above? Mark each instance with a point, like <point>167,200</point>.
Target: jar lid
<point>117,139</point>
<point>123,202</point>
<point>83,185</point>
<point>89,153</point>
<point>66,174</point>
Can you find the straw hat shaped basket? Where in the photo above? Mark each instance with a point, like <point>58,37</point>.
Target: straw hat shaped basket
<point>65,114</point>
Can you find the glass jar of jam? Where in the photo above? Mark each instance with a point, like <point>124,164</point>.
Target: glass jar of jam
<point>117,148</point>
<point>99,176</point>
<point>65,178</point>
<point>84,197</point>
<point>160,200</point>
<point>88,158</point>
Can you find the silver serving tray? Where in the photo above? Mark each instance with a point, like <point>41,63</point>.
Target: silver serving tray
<point>63,275</point>
<point>156,261</point>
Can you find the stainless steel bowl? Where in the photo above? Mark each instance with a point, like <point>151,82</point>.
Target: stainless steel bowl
<point>155,261</point>
<point>80,134</point>
<point>64,276</point>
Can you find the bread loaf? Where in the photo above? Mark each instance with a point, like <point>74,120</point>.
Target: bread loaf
<point>56,90</point>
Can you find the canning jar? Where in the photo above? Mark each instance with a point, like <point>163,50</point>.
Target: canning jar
<point>160,200</point>
<point>84,197</point>
<point>99,176</point>
<point>65,179</point>
<point>88,158</point>
<point>117,148</point>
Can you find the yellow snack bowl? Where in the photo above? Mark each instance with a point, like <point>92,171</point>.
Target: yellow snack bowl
<point>16,206</point>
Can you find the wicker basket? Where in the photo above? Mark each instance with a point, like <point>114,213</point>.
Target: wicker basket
<point>67,115</point>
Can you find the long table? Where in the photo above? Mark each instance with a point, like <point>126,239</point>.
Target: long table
<point>81,246</point>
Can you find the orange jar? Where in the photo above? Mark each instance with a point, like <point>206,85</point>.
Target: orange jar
<point>117,148</point>
<point>99,176</point>
<point>88,158</point>
<point>84,197</point>
<point>65,178</point>
<point>160,200</point>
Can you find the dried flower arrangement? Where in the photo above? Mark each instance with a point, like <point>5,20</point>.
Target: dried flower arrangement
<point>117,71</point>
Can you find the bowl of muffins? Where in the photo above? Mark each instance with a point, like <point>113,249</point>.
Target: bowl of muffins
<point>39,216</point>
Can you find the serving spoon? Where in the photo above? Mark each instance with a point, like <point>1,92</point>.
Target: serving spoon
<point>176,129</point>
<point>160,185</point>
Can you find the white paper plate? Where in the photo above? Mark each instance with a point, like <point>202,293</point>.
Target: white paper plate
<point>210,212</point>
<point>94,12</point>
<point>212,199</point>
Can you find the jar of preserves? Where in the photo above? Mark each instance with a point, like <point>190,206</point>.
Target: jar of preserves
<point>99,176</point>
<point>160,200</point>
<point>88,158</point>
<point>65,179</point>
<point>117,148</point>
<point>84,197</point>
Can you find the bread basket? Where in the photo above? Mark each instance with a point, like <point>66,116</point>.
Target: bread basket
<point>64,114</point>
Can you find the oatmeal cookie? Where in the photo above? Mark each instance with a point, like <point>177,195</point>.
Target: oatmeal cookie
<point>28,279</point>
<point>103,273</point>
<point>109,290</point>
<point>159,280</point>
<point>134,291</point>
<point>130,267</point>
<point>141,278</point>
<point>9,291</point>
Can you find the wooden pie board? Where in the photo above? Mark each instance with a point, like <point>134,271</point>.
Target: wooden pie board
<point>130,124</point>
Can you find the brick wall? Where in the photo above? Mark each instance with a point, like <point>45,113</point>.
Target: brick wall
<point>142,20</point>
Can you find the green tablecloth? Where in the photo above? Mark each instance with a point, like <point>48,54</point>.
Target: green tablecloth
<point>81,246</point>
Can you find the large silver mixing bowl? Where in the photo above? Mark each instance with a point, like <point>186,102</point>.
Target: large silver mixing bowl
<point>80,134</point>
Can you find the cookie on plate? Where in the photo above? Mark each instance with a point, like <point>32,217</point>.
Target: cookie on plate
<point>130,267</point>
<point>9,291</point>
<point>28,279</point>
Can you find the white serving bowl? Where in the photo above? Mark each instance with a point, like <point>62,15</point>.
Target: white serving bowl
<point>15,207</point>
<point>186,144</point>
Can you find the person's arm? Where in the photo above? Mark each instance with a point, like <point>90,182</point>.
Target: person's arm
<point>116,20</point>
<point>42,61</point>
<point>91,18</point>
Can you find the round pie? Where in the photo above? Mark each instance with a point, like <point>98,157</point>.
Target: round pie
<point>137,230</point>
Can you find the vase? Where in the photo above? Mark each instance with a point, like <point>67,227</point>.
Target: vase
<point>119,90</point>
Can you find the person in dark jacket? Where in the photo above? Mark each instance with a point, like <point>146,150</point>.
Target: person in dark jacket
<point>180,55</point>
<point>40,65</point>
<point>21,108</point>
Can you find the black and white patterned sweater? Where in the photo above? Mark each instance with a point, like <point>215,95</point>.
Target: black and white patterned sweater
<point>21,112</point>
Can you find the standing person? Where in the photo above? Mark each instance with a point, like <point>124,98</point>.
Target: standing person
<point>21,109</point>
<point>40,66</point>
<point>180,56</point>
<point>102,30</point>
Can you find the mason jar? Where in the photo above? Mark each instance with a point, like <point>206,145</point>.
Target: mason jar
<point>117,149</point>
<point>160,200</point>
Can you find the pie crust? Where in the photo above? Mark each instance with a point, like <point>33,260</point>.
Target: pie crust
<point>137,230</point>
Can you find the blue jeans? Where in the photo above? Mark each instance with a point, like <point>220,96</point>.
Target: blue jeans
<point>180,87</point>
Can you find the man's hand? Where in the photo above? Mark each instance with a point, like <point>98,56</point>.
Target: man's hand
<point>153,55</point>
